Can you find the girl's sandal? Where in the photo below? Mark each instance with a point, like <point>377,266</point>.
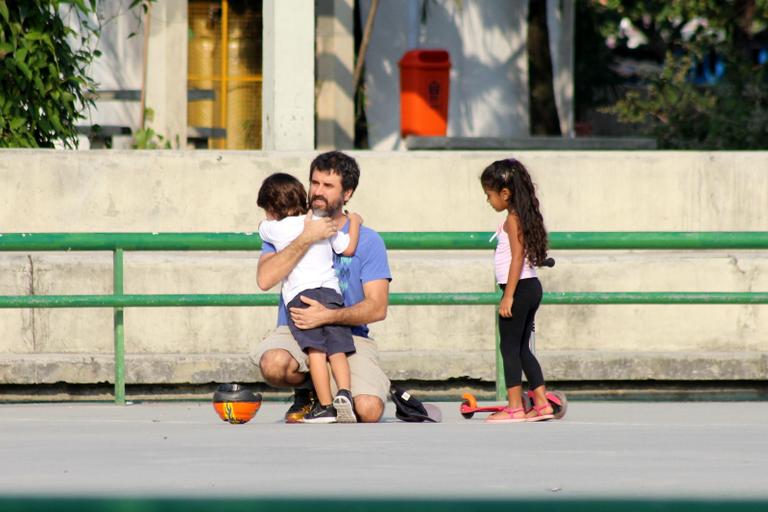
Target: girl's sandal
<point>538,414</point>
<point>516,415</point>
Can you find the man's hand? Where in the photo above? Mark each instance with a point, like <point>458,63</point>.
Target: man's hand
<point>372,308</point>
<point>318,229</point>
<point>312,316</point>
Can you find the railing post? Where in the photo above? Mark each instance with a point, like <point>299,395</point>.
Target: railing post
<point>501,385</point>
<point>117,272</point>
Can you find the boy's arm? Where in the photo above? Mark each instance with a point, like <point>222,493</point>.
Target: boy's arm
<point>265,233</point>
<point>355,221</point>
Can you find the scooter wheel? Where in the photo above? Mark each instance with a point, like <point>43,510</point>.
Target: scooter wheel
<point>527,402</point>
<point>559,410</point>
<point>469,401</point>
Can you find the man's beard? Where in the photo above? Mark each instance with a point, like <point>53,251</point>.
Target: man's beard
<point>327,209</point>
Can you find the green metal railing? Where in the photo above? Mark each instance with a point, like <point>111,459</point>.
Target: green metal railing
<point>118,243</point>
<point>416,504</point>
<point>455,240</point>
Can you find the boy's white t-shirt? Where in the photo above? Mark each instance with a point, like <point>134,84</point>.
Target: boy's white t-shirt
<point>315,269</point>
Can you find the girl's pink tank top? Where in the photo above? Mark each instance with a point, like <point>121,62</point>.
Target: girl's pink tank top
<point>502,259</point>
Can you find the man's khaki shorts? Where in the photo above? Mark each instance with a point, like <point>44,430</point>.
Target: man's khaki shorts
<point>364,367</point>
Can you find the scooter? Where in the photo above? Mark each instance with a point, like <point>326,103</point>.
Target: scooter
<point>556,399</point>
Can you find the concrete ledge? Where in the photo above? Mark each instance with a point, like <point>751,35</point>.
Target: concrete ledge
<point>140,369</point>
<point>528,143</point>
<point>584,365</point>
<point>690,366</point>
<point>27,369</point>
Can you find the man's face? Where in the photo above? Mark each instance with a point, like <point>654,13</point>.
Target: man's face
<point>325,194</point>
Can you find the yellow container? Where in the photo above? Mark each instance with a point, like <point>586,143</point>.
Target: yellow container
<point>237,103</point>
<point>244,84</point>
<point>203,61</point>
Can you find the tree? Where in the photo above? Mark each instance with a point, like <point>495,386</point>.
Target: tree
<point>683,37</point>
<point>45,87</point>
<point>44,83</point>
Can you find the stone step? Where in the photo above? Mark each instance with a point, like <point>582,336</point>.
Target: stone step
<point>399,365</point>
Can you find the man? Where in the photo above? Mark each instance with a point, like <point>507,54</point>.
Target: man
<point>364,280</point>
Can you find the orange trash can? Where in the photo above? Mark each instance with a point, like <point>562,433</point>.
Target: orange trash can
<point>424,84</point>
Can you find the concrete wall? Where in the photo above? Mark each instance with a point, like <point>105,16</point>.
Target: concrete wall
<point>487,44</point>
<point>489,68</point>
<point>47,191</point>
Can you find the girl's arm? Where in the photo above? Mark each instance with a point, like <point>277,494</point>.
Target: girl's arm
<point>355,221</point>
<point>512,227</point>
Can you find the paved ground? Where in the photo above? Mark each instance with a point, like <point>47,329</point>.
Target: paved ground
<point>600,449</point>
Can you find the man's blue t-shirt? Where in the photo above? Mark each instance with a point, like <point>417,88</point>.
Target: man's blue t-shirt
<point>368,264</point>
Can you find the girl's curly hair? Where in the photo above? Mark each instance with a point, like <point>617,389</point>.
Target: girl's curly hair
<point>512,175</point>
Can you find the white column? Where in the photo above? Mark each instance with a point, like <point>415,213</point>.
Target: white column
<point>335,67</point>
<point>167,70</point>
<point>288,89</point>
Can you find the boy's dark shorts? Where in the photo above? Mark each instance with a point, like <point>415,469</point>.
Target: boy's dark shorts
<point>331,339</point>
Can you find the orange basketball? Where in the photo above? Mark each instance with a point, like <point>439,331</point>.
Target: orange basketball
<point>236,404</point>
<point>236,412</point>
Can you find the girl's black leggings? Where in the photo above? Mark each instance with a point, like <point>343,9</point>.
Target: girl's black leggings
<point>515,332</point>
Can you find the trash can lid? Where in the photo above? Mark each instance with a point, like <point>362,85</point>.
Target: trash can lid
<point>426,58</point>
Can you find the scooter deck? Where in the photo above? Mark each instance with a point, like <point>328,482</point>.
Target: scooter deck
<point>469,405</point>
<point>490,408</point>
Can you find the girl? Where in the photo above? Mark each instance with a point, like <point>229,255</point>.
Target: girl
<point>284,200</point>
<point>521,246</point>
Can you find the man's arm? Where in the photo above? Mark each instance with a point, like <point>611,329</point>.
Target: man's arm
<point>274,267</point>
<point>372,308</point>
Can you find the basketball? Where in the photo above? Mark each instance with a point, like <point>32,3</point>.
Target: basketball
<point>236,404</point>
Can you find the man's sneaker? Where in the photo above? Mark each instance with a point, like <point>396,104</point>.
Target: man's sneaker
<point>345,413</point>
<point>321,414</point>
<point>302,404</point>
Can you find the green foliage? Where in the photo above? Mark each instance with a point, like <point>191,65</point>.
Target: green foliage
<point>724,24</point>
<point>670,108</point>
<point>730,114</point>
<point>44,84</point>
<point>147,138</point>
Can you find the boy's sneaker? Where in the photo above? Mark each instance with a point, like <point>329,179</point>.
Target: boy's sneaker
<point>303,399</point>
<point>345,412</point>
<point>321,414</point>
